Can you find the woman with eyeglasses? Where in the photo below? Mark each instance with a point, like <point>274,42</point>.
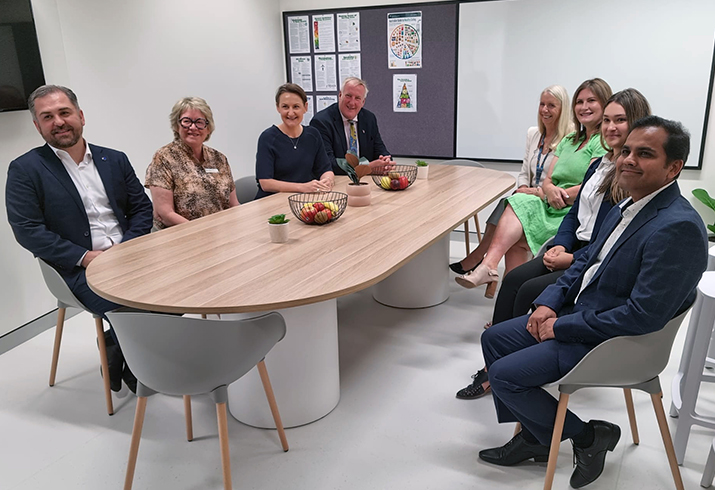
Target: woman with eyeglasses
<point>188,179</point>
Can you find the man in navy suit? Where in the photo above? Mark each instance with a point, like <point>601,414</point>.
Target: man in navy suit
<point>638,273</point>
<point>347,126</point>
<point>68,201</point>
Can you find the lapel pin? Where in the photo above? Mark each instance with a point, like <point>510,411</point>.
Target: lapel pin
<point>104,159</point>
<point>363,131</point>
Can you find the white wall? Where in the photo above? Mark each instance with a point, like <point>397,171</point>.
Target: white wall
<point>129,62</point>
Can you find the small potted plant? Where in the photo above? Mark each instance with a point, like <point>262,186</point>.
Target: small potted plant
<point>278,228</point>
<point>705,198</point>
<point>422,169</point>
<point>358,192</point>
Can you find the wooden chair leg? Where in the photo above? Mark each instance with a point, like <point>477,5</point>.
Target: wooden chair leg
<point>517,428</point>
<point>134,446</point>
<point>203,315</point>
<point>631,415</point>
<point>272,403</point>
<point>105,365</point>
<point>223,440</point>
<point>556,440</point>
<point>58,340</point>
<point>479,229</point>
<point>656,398</point>
<point>187,414</point>
<point>466,235</point>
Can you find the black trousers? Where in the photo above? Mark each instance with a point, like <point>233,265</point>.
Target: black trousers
<point>521,287</point>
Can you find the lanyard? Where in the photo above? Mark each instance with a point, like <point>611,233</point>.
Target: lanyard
<point>540,163</point>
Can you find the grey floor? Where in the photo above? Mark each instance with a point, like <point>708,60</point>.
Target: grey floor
<point>397,426</point>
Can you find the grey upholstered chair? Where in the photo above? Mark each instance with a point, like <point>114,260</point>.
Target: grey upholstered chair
<point>246,189</point>
<point>629,362</point>
<point>470,163</point>
<point>65,299</point>
<point>191,356</point>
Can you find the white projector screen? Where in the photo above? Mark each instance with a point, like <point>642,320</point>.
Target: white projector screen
<point>510,50</point>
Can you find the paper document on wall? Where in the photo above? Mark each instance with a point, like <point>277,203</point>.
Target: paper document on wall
<point>349,65</point>
<point>299,34</point>
<point>325,76</point>
<point>323,34</point>
<point>324,101</point>
<point>302,72</point>
<point>349,32</point>
<point>404,40</point>
<point>309,113</point>
<point>404,89</point>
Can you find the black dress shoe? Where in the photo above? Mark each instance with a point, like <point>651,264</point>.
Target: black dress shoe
<point>590,460</point>
<point>115,360</point>
<point>475,390</point>
<point>129,379</point>
<point>515,451</point>
<point>457,268</point>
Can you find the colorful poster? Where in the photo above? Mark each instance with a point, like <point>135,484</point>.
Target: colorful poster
<point>309,113</point>
<point>302,72</point>
<point>404,40</point>
<point>349,32</point>
<point>404,89</point>
<point>323,34</point>
<point>299,34</point>
<point>325,76</point>
<point>349,65</point>
<point>324,101</point>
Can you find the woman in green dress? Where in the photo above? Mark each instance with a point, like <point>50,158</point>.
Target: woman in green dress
<point>528,221</point>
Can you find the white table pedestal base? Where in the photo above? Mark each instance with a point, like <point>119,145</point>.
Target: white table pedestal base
<point>303,368</point>
<point>420,283</point>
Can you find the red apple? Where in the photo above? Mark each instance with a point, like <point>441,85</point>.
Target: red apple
<point>307,214</point>
<point>395,184</point>
<point>404,182</point>
<point>319,206</point>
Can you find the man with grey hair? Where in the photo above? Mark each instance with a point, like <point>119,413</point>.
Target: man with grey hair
<point>347,127</point>
<point>68,201</point>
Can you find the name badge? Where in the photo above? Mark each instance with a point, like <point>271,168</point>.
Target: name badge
<point>211,170</point>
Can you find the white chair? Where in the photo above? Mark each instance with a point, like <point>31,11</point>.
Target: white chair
<point>469,163</point>
<point>246,189</point>
<point>629,362</point>
<point>65,299</point>
<point>191,356</point>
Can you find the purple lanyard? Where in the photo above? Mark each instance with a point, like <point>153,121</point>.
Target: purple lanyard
<point>540,163</point>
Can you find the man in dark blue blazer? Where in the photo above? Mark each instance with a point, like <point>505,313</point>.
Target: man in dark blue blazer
<point>334,124</point>
<point>68,201</point>
<point>639,272</point>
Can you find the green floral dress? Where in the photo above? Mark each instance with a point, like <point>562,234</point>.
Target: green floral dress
<point>539,220</point>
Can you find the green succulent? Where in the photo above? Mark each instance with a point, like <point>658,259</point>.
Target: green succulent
<point>420,163</point>
<point>278,219</point>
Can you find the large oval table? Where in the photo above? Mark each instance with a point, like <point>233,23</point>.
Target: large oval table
<point>225,263</point>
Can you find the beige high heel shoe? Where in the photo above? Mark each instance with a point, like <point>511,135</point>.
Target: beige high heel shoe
<point>480,275</point>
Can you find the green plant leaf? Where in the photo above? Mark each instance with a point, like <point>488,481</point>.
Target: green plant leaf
<point>703,196</point>
<point>711,228</point>
<point>278,219</point>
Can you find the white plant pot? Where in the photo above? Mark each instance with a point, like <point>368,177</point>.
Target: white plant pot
<point>422,172</point>
<point>278,232</point>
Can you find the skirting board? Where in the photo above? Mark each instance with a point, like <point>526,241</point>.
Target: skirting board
<point>25,332</point>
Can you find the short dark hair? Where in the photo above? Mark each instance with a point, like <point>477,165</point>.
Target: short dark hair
<point>677,145</point>
<point>47,90</point>
<point>291,88</point>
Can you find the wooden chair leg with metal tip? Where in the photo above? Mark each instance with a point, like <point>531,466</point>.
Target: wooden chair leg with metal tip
<point>99,325</point>
<point>187,414</point>
<point>479,229</point>
<point>58,340</point>
<point>466,235</point>
<point>272,403</point>
<point>628,393</point>
<point>556,440</point>
<point>223,440</point>
<point>656,398</point>
<point>136,437</point>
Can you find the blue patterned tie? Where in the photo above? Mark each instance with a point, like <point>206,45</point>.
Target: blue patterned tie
<point>352,141</point>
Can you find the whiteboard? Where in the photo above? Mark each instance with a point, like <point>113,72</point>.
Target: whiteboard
<point>510,50</point>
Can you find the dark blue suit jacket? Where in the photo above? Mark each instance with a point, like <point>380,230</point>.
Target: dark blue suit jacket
<point>46,212</point>
<point>330,124</point>
<point>566,235</point>
<point>647,278</point>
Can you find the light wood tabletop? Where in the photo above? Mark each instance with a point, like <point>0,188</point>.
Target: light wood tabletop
<point>226,263</point>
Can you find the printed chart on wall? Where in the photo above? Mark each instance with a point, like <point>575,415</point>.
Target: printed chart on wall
<point>309,113</point>
<point>299,34</point>
<point>404,88</point>
<point>324,101</point>
<point>349,32</point>
<point>349,66</point>
<point>323,34</point>
<point>302,72</point>
<point>404,40</point>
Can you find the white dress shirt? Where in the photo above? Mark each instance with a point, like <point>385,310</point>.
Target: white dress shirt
<point>629,210</point>
<point>590,201</point>
<point>103,224</point>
